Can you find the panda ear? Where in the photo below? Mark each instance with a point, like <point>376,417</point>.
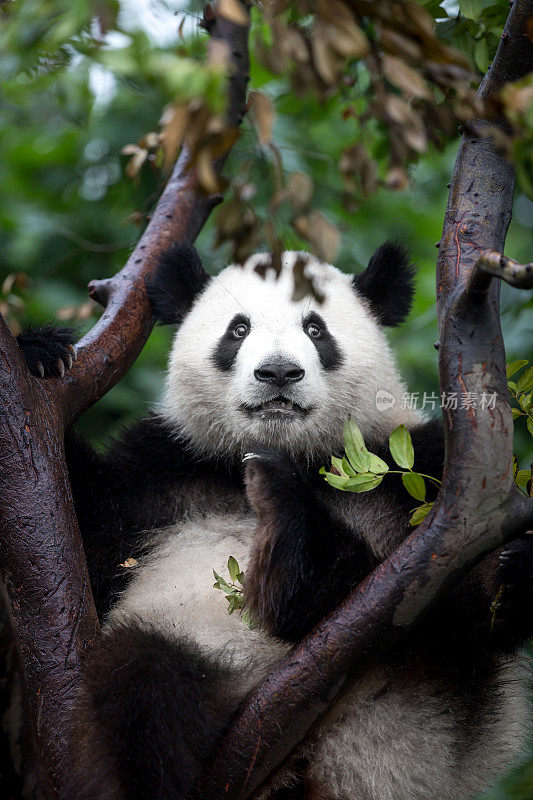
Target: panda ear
<point>388,283</point>
<point>178,279</point>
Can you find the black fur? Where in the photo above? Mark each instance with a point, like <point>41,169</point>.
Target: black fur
<point>225,352</point>
<point>514,594</point>
<point>153,708</point>
<point>177,281</point>
<point>143,482</point>
<point>388,284</point>
<point>303,563</point>
<point>46,346</point>
<point>330,356</point>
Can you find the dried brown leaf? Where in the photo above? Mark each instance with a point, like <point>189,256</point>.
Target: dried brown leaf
<point>304,286</point>
<point>264,115</point>
<point>399,45</point>
<point>129,149</point>
<point>234,11</point>
<point>397,179</point>
<point>174,122</point>
<point>410,124</point>
<point>405,78</point>
<point>133,167</point>
<point>300,189</point>
<point>322,234</point>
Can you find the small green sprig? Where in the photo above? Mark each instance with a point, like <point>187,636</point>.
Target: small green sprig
<point>233,592</point>
<point>361,471</point>
<point>521,390</point>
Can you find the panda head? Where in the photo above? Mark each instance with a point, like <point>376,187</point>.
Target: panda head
<point>252,366</point>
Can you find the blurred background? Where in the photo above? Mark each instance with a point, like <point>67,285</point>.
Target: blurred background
<point>85,81</point>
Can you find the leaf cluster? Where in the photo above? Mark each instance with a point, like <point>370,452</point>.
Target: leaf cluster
<point>521,391</point>
<point>361,471</point>
<point>233,592</point>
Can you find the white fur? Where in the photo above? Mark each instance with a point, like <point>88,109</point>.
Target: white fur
<point>173,589</point>
<point>205,402</point>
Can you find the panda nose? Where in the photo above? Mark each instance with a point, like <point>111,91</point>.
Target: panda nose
<point>279,373</point>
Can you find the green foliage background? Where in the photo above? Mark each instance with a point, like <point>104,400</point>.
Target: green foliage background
<point>66,211</point>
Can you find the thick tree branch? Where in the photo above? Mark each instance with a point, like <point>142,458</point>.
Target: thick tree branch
<point>42,561</point>
<point>41,554</point>
<point>478,507</point>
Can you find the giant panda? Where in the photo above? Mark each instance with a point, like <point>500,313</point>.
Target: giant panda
<point>259,384</point>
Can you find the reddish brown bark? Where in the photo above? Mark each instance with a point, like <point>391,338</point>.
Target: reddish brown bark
<point>41,555</point>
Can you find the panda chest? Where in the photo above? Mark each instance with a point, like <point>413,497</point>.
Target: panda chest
<point>172,589</point>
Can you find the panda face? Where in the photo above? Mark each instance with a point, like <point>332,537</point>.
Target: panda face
<point>251,366</point>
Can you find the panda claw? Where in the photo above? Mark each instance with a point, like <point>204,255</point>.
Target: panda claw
<point>69,362</point>
<point>40,369</point>
<point>60,367</point>
<point>73,352</point>
<point>249,456</point>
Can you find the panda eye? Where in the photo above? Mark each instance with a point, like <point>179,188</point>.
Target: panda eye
<point>240,330</point>
<point>314,331</point>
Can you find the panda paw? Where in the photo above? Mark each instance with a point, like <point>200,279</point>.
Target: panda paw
<point>515,576</point>
<point>273,481</point>
<point>48,351</point>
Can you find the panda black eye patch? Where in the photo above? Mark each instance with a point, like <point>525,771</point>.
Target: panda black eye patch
<point>327,348</point>
<point>228,346</point>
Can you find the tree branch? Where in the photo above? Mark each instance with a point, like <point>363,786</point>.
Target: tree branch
<point>491,264</point>
<point>478,507</point>
<point>42,561</point>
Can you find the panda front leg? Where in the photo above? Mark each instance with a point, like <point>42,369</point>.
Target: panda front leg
<point>303,563</point>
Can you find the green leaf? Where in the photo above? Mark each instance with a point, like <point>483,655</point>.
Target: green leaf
<point>515,413</point>
<point>337,481</point>
<point>401,447</point>
<point>522,478</point>
<point>515,366</point>
<point>481,55</point>
<point>221,583</point>
<point>247,619</point>
<point>338,464</point>
<point>415,485</point>
<point>511,385</point>
<point>530,426</point>
<point>232,604</point>
<point>420,513</point>
<point>526,401</point>
<point>525,381</point>
<point>347,467</point>
<point>363,482</point>
<point>233,568</point>
<point>471,8</point>
<point>354,445</point>
<point>376,464</point>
